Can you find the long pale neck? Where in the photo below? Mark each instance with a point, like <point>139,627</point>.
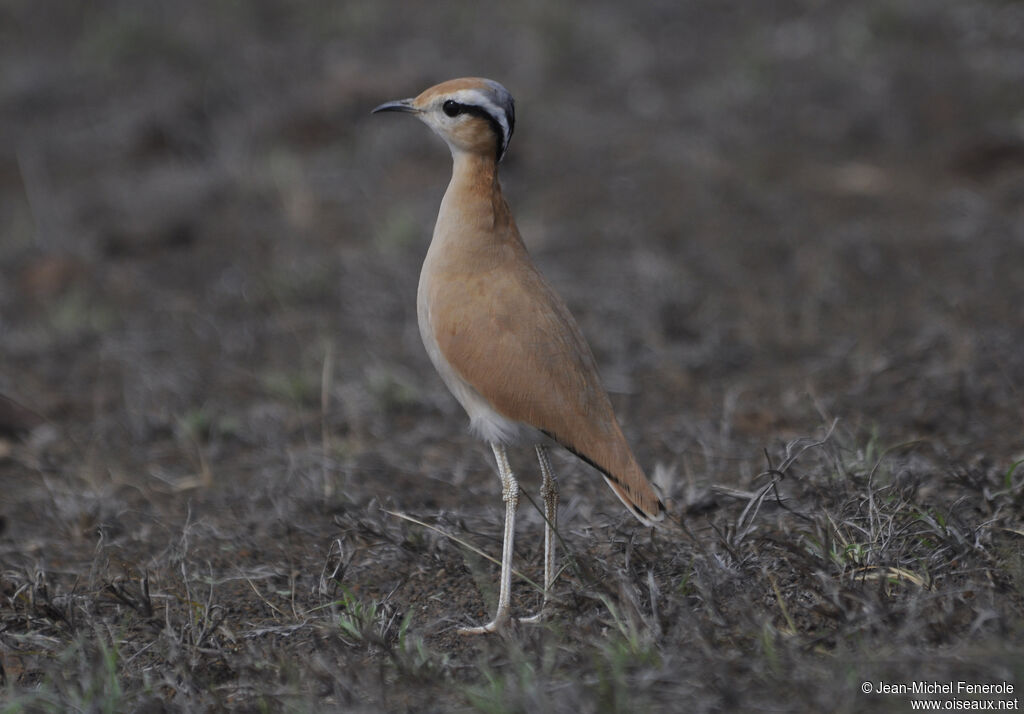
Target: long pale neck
<point>473,212</point>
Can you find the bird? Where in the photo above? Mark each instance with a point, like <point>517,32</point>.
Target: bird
<point>501,338</point>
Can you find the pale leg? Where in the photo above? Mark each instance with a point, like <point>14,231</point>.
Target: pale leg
<point>549,491</point>
<point>510,494</point>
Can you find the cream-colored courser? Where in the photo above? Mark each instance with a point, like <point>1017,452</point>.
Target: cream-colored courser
<point>502,340</point>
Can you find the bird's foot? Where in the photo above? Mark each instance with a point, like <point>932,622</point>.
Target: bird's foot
<point>498,624</point>
<point>534,619</point>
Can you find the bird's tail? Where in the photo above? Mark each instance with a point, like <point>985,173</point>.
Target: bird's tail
<point>645,505</point>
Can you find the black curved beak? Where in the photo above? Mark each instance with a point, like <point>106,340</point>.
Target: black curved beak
<point>399,105</point>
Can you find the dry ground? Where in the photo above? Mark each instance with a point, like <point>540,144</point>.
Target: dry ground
<point>792,231</point>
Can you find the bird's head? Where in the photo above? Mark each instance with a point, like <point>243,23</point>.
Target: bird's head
<point>471,114</point>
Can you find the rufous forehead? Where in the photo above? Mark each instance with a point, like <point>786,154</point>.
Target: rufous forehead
<point>450,87</point>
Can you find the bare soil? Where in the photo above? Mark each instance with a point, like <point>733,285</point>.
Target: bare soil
<point>792,232</point>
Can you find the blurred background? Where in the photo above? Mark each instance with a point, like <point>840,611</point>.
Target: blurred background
<point>765,216</point>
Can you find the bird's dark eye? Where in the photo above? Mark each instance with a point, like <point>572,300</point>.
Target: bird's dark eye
<point>451,108</point>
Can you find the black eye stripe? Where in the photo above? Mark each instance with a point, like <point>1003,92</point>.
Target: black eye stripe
<point>452,109</point>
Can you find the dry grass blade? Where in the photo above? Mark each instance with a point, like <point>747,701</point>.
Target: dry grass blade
<point>878,572</point>
<point>463,543</point>
<point>326,382</point>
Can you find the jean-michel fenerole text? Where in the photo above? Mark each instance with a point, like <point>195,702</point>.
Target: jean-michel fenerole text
<point>925,687</point>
